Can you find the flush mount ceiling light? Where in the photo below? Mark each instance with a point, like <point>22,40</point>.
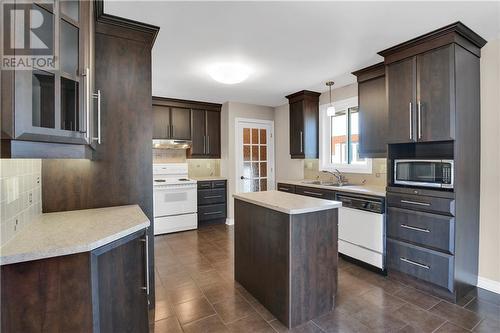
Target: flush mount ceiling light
<point>330,110</point>
<point>229,72</point>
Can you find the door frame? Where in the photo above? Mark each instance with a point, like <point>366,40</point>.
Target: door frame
<point>239,152</point>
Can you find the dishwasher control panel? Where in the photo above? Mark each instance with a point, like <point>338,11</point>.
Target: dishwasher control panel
<point>370,204</point>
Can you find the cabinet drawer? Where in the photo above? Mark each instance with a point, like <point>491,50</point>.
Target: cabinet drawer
<point>315,192</point>
<point>219,184</point>
<point>430,230</point>
<point>212,196</point>
<point>206,184</point>
<point>421,203</point>
<point>428,265</point>
<point>286,188</point>
<point>211,212</point>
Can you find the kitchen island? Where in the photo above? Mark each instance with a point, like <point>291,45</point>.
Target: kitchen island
<point>286,253</point>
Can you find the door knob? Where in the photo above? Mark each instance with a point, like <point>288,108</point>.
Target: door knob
<point>242,177</point>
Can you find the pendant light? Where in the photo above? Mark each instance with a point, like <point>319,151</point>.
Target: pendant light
<point>330,110</point>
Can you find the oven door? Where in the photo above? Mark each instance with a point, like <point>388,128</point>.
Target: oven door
<point>426,173</point>
<point>174,200</point>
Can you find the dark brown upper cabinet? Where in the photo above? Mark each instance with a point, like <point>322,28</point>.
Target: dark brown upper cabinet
<point>421,81</point>
<point>304,124</point>
<point>49,111</point>
<point>189,120</point>
<point>372,109</point>
<point>170,122</point>
<point>206,134</point>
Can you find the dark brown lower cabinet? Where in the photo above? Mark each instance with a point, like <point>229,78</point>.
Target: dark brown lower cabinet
<point>99,291</point>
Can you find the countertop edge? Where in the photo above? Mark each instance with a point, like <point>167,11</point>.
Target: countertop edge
<point>297,211</point>
<point>24,257</point>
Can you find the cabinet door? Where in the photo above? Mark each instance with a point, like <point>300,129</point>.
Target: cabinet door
<point>372,118</point>
<point>297,129</point>
<point>161,122</point>
<point>435,89</point>
<point>119,272</point>
<point>213,133</point>
<point>198,137</point>
<point>181,123</point>
<point>401,91</point>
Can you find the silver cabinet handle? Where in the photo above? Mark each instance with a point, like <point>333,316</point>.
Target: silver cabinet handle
<point>213,213</point>
<point>301,141</point>
<point>283,189</point>
<point>419,114</point>
<point>314,193</point>
<point>98,96</point>
<point>415,203</point>
<point>204,144</point>
<point>88,101</point>
<point>414,228</point>
<point>172,133</point>
<point>208,144</point>
<point>212,197</point>
<point>411,123</point>
<point>146,244</point>
<point>414,263</point>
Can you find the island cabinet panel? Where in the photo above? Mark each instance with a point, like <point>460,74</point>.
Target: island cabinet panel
<point>287,262</point>
<point>49,295</point>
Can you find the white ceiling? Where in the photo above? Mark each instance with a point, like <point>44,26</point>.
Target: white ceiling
<point>291,45</point>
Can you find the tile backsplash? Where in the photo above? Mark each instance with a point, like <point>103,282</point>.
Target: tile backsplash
<point>20,195</point>
<point>377,177</point>
<point>196,167</point>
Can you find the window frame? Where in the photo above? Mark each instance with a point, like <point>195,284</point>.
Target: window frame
<point>325,140</point>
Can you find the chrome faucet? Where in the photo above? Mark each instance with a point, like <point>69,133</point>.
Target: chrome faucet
<point>341,179</point>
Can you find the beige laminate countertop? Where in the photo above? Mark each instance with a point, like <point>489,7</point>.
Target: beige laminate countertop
<point>64,233</point>
<point>375,190</point>
<point>208,178</point>
<point>286,202</point>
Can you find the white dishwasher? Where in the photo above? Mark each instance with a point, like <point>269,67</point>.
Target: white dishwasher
<point>362,228</point>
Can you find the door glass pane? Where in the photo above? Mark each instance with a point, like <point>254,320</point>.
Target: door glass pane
<point>255,170</point>
<point>263,184</point>
<point>246,135</point>
<point>70,117</point>
<point>263,169</point>
<point>246,153</point>
<point>263,153</point>
<point>69,48</point>
<point>255,136</point>
<point>255,153</point>
<point>263,136</point>
<point>42,99</point>
<point>71,9</point>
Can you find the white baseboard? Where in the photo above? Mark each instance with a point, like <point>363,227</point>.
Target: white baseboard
<point>229,221</point>
<point>488,284</point>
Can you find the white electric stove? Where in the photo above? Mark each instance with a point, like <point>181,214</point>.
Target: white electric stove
<point>175,198</point>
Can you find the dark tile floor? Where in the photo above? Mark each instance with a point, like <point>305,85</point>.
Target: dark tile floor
<point>196,292</point>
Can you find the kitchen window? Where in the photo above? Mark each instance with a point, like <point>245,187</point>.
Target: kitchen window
<point>339,139</point>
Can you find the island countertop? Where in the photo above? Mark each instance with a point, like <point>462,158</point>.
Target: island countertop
<point>286,202</point>
<point>64,233</point>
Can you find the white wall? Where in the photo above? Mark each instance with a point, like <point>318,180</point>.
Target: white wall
<point>489,237</point>
<point>286,168</point>
<point>229,112</point>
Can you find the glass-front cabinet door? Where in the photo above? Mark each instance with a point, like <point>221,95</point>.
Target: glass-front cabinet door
<point>52,97</point>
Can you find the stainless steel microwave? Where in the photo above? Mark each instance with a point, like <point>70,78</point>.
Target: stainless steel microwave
<point>426,173</point>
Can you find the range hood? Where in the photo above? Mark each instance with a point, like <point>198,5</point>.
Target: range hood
<point>171,144</point>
